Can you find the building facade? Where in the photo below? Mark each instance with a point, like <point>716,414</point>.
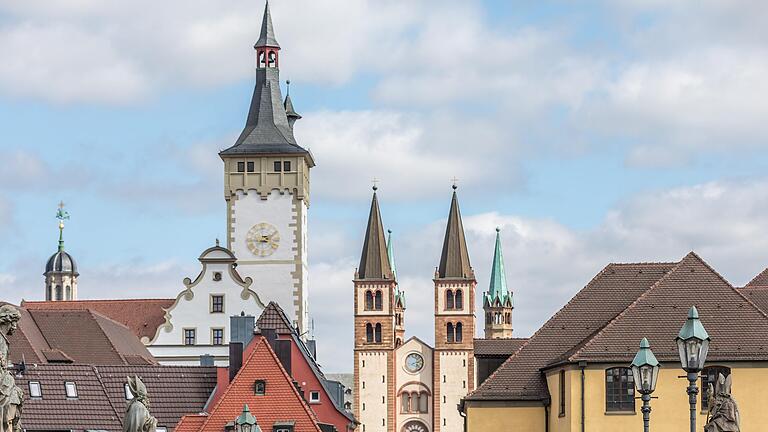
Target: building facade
<point>266,188</point>
<point>407,385</point>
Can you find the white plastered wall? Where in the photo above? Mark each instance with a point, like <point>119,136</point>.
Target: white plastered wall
<point>409,381</point>
<point>453,365</point>
<point>274,277</point>
<point>373,394</point>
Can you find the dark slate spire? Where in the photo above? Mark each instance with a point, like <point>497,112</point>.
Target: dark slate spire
<point>374,262</point>
<point>454,261</point>
<point>290,112</point>
<point>267,128</point>
<point>267,35</point>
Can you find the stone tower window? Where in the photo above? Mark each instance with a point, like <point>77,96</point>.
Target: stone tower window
<point>449,300</point>
<point>241,167</point>
<point>59,293</point>
<point>459,335</point>
<point>377,333</point>
<point>368,300</point>
<point>459,303</point>
<point>449,332</point>
<point>377,304</point>
<point>278,166</point>
<point>368,333</point>
<point>287,166</point>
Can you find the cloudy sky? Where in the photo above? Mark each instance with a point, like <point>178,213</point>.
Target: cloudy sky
<point>590,132</point>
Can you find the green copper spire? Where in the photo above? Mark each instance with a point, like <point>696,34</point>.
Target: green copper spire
<point>391,254</point>
<point>61,215</point>
<point>497,290</point>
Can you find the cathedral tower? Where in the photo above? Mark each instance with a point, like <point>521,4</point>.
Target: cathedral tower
<point>497,302</point>
<point>266,187</point>
<point>454,324</point>
<point>375,329</point>
<point>61,270</point>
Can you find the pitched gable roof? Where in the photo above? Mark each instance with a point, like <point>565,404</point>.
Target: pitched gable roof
<point>659,313</point>
<point>262,364</point>
<point>604,297</point>
<point>273,318</point>
<point>142,316</point>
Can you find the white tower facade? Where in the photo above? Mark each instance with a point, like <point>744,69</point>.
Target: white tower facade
<point>266,187</point>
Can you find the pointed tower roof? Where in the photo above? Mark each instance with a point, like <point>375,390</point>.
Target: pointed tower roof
<point>391,254</point>
<point>374,261</point>
<point>289,110</point>
<point>454,261</point>
<point>267,35</point>
<point>497,290</point>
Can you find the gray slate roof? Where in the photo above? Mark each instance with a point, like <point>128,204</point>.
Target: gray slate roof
<point>267,35</point>
<point>454,261</point>
<point>374,262</point>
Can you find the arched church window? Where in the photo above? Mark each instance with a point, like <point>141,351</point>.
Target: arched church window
<point>449,299</point>
<point>459,299</point>
<point>377,333</point>
<point>449,332</point>
<point>424,403</point>
<point>377,300</point>
<point>405,401</point>
<point>459,336</point>
<point>368,332</point>
<point>398,342</point>
<point>368,300</point>
<point>272,58</point>
<point>59,293</point>
<point>68,292</point>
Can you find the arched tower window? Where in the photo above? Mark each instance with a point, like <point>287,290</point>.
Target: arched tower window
<point>449,332</point>
<point>368,332</point>
<point>272,59</point>
<point>377,304</point>
<point>368,300</point>
<point>262,58</point>
<point>69,293</point>
<point>449,299</point>
<point>424,402</point>
<point>405,401</point>
<point>377,333</point>
<point>459,299</point>
<point>59,293</point>
<point>459,336</point>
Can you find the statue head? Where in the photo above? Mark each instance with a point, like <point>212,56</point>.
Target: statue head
<point>9,317</point>
<point>138,389</point>
<point>724,385</point>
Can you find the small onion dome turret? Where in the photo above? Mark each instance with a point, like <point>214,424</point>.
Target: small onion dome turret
<point>61,262</point>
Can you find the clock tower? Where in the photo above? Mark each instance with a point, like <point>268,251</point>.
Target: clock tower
<point>266,188</point>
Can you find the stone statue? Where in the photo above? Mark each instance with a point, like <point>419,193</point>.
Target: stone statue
<point>723,412</point>
<point>137,418</point>
<point>11,396</point>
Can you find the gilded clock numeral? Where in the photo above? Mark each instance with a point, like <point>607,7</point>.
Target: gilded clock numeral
<point>263,239</point>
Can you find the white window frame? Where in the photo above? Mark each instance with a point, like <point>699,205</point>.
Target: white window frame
<point>70,388</point>
<point>35,384</point>
<point>312,398</point>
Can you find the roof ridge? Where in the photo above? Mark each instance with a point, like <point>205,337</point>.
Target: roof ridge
<point>527,342</point>
<point>756,277</point>
<point>610,323</point>
<point>106,394</point>
<point>95,316</point>
<point>752,288</point>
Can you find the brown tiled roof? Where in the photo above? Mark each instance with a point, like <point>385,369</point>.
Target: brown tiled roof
<point>173,391</point>
<point>79,336</point>
<point>656,311</point>
<point>497,347</point>
<point>273,318</point>
<point>761,280</point>
<point>736,326</point>
<point>605,296</point>
<point>454,260</point>
<point>142,316</point>
<point>757,295</point>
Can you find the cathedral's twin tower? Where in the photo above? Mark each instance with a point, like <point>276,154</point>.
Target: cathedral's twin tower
<point>406,385</point>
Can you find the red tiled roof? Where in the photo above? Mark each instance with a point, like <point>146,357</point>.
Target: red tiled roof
<point>757,295</point>
<point>605,296</point>
<point>761,280</point>
<point>262,364</point>
<point>173,391</point>
<point>273,318</point>
<point>142,316</point>
<point>191,423</point>
<point>497,347</point>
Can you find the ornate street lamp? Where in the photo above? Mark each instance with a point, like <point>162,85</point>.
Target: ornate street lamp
<point>693,345</point>
<point>246,422</point>
<point>645,369</point>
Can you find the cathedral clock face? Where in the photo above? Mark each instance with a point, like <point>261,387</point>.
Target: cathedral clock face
<point>414,362</point>
<point>262,239</point>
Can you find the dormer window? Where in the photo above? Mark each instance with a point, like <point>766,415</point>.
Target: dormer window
<point>260,388</point>
<point>35,391</point>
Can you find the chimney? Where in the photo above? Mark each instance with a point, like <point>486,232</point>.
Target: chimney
<point>241,328</point>
<point>235,358</point>
<point>312,347</point>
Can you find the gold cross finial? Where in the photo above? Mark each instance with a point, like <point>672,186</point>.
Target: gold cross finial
<point>375,182</point>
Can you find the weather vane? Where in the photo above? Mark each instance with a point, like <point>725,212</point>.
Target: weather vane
<point>455,182</point>
<point>375,182</point>
<point>61,214</point>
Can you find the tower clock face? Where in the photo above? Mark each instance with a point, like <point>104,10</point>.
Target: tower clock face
<point>414,362</point>
<point>263,239</point>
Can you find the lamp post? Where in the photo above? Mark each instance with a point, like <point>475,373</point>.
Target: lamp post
<point>645,370</point>
<point>693,345</point>
<point>246,422</point>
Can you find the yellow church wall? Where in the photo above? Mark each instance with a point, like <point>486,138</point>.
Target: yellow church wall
<point>669,409</point>
<point>501,416</point>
